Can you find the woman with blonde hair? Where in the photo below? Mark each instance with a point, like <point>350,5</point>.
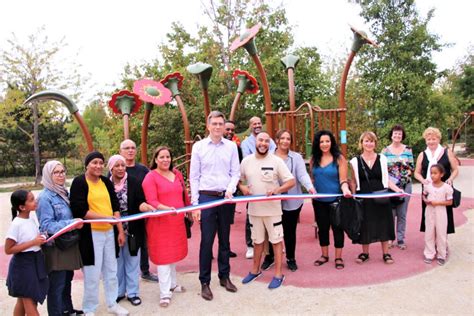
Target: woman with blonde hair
<point>370,174</point>
<point>436,154</point>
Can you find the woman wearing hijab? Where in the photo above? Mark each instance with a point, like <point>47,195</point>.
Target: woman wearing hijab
<point>93,197</point>
<point>132,200</point>
<point>54,213</point>
<point>436,154</point>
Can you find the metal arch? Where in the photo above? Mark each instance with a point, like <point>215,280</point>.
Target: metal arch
<point>49,95</point>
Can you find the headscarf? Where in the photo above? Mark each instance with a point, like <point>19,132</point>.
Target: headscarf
<point>433,158</point>
<point>110,164</point>
<point>47,180</point>
<point>91,156</point>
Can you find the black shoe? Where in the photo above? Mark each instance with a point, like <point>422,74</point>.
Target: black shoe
<point>232,254</point>
<point>292,264</point>
<point>119,298</point>
<point>267,262</point>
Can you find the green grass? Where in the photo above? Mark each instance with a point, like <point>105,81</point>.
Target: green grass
<point>14,180</point>
<point>17,187</point>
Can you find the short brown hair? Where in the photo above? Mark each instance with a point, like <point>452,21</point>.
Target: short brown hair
<point>397,128</point>
<point>368,134</point>
<point>153,164</point>
<point>214,114</point>
<point>281,132</point>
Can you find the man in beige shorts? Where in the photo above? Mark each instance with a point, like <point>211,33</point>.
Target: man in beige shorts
<point>261,174</point>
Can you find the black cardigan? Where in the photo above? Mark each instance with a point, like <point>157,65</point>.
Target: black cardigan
<point>135,197</point>
<point>79,207</point>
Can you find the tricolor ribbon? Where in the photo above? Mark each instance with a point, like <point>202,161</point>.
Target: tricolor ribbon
<point>211,204</point>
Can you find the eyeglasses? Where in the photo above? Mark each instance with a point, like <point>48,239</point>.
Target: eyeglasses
<point>229,129</point>
<point>59,173</point>
<point>129,148</point>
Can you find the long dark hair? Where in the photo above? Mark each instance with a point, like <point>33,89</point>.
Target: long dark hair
<point>316,150</point>
<point>17,199</point>
<point>153,164</point>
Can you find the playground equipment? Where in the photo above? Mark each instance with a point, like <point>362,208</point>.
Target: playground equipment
<point>125,103</point>
<point>50,95</point>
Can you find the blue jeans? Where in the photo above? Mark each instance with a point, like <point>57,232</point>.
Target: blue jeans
<point>400,212</point>
<point>59,292</point>
<point>216,219</point>
<point>128,268</point>
<point>105,263</point>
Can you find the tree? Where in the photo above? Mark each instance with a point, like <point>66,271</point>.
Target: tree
<point>398,77</point>
<point>33,66</point>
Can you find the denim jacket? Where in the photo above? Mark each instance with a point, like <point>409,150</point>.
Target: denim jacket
<point>53,212</point>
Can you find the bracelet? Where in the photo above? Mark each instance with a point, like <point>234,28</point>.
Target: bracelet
<point>342,182</point>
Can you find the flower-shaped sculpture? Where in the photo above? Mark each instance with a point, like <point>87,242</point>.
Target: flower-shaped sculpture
<point>204,72</point>
<point>246,40</point>
<point>152,91</point>
<point>360,38</point>
<point>245,81</point>
<point>174,82</point>
<point>126,103</point>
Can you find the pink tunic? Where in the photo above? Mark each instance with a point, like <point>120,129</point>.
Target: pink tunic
<point>166,235</point>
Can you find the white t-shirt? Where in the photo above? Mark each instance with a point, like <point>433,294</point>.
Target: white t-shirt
<point>22,230</point>
<point>263,174</point>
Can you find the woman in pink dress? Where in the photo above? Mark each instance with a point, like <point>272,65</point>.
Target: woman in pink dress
<point>166,235</point>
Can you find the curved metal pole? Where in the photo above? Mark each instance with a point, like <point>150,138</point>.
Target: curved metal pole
<point>235,104</point>
<point>458,131</point>
<point>126,126</point>
<point>70,105</point>
<point>187,134</point>
<point>207,107</point>
<point>291,96</point>
<point>342,103</point>
<point>266,94</point>
<point>144,136</point>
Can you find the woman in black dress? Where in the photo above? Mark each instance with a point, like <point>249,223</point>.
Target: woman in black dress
<point>436,154</point>
<point>370,173</point>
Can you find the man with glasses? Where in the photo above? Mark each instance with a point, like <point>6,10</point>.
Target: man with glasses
<point>214,174</point>
<point>128,150</point>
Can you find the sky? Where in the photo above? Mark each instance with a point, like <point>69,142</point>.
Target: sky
<point>103,36</point>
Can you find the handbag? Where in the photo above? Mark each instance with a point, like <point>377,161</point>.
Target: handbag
<point>67,240</point>
<point>336,213</point>
<point>378,201</point>
<point>456,198</point>
<point>188,219</point>
<point>132,244</point>
<point>352,215</point>
<point>397,200</point>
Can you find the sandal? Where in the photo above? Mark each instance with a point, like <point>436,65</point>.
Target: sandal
<point>387,258</point>
<point>165,301</point>
<point>135,301</point>
<point>363,257</point>
<point>322,260</point>
<point>178,289</point>
<point>339,263</point>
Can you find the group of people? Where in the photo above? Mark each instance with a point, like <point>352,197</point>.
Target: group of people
<point>220,166</point>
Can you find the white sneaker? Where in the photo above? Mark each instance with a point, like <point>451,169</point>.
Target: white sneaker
<point>117,310</point>
<point>249,253</point>
<point>89,314</point>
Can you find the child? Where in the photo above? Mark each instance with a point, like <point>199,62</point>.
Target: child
<point>437,195</point>
<point>27,278</point>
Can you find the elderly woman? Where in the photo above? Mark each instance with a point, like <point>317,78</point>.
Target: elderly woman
<point>436,154</point>
<point>54,213</point>
<point>166,235</point>
<point>291,208</point>
<point>93,197</point>
<point>132,200</point>
<point>370,174</point>
<point>400,167</point>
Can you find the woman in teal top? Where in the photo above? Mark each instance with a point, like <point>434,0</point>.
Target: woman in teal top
<point>400,168</point>
<point>329,171</point>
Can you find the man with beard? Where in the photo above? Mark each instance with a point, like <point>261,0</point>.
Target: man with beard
<point>263,172</point>
<point>214,175</point>
<point>248,148</point>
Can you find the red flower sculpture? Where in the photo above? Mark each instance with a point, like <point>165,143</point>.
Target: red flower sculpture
<point>125,102</point>
<point>152,91</point>
<point>364,36</point>
<point>245,37</point>
<point>176,75</point>
<point>236,140</point>
<point>251,84</point>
